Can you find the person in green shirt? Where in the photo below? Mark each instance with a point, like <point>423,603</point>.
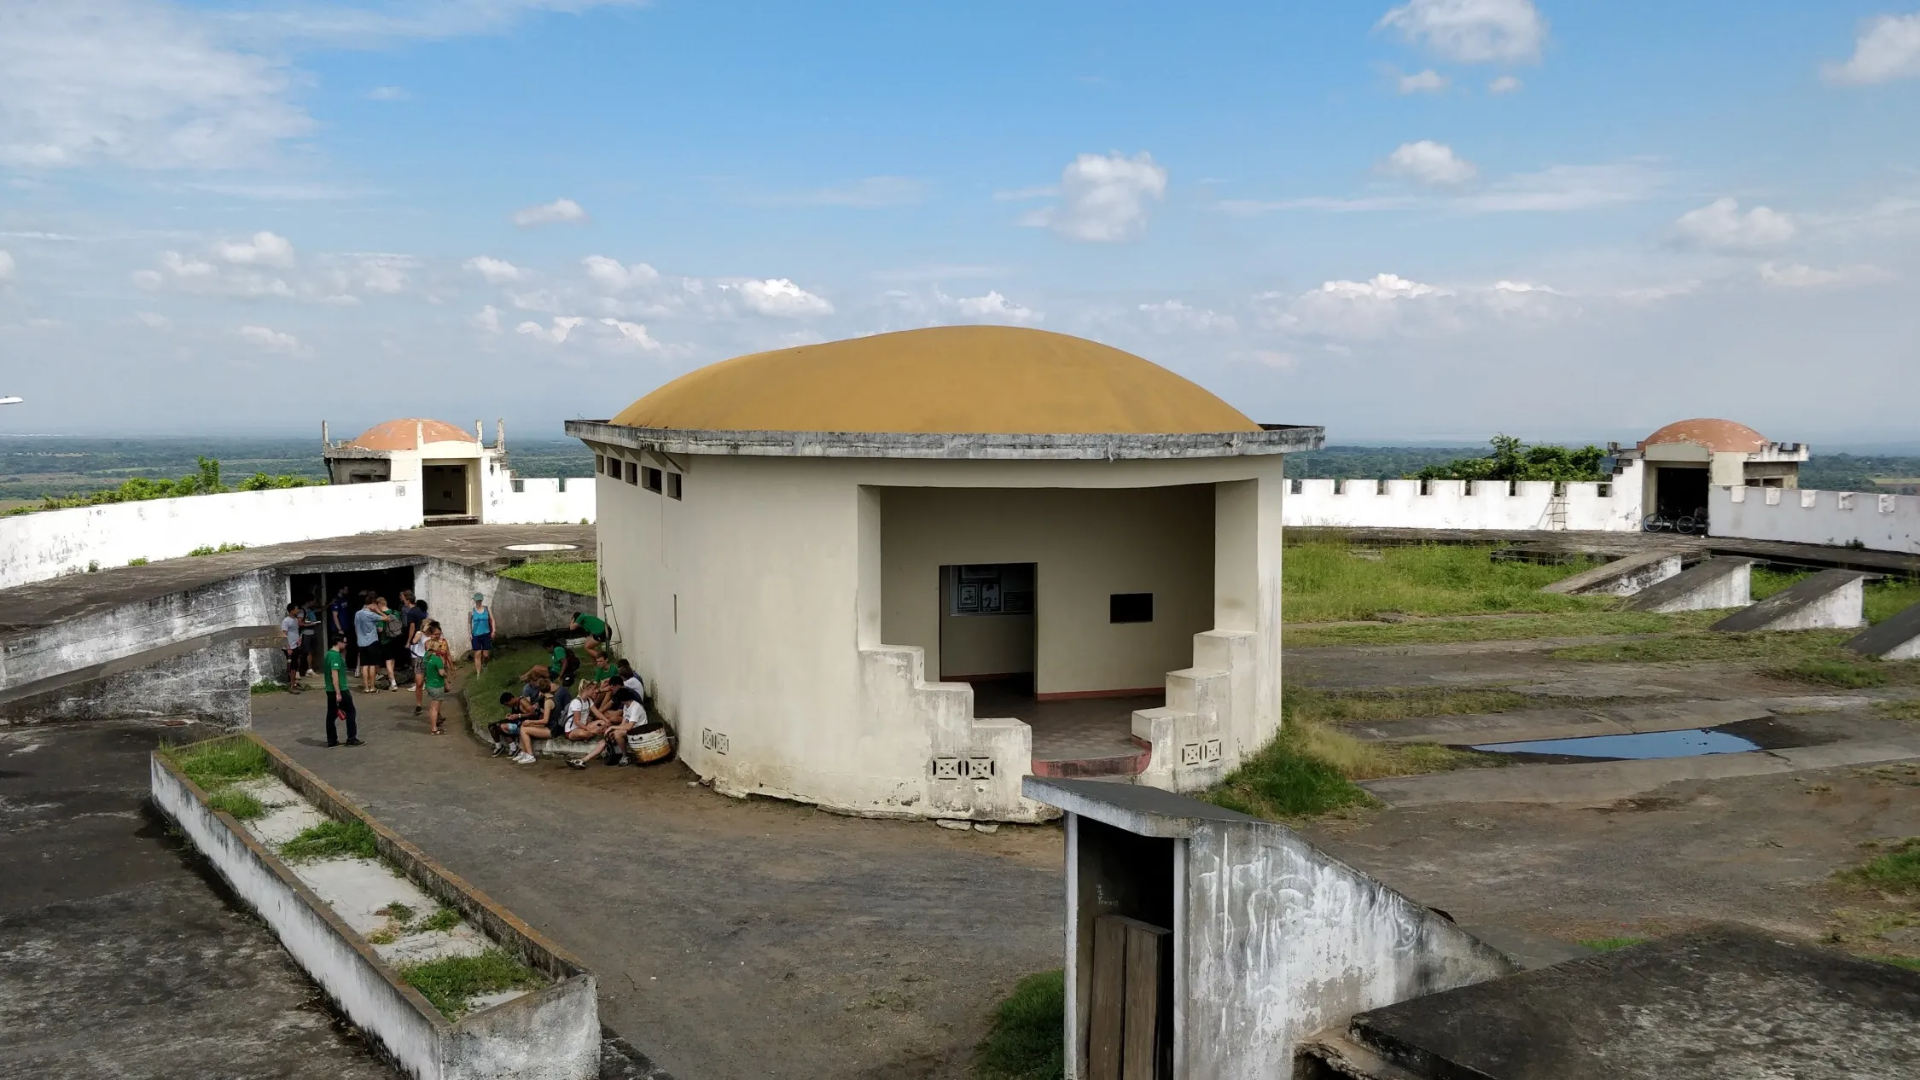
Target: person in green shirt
<point>595,628</point>
<point>339,696</point>
<point>436,680</point>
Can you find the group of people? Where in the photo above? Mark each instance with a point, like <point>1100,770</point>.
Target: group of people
<point>598,709</point>
<point>373,637</point>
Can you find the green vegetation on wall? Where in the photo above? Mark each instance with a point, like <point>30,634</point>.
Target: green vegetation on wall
<point>1512,459</point>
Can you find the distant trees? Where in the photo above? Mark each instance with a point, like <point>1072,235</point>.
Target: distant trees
<point>204,480</point>
<point>1514,460</point>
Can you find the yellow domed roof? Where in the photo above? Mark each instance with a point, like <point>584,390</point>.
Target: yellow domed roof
<point>942,380</point>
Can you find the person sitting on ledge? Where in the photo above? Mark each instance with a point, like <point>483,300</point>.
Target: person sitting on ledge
<point>521,711</point>
<point>583,721</point>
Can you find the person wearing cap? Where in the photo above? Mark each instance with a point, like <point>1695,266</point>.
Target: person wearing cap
<point>482,617</point>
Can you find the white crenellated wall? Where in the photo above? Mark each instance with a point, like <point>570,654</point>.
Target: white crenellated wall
<point>1808,516</point>
<point>1460,504</point>
<point>37,546</point>
<point>538,502</point>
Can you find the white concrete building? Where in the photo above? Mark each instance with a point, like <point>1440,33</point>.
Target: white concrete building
<point>460,479</point>
<point>819,555</point>
<point>1686,458</point>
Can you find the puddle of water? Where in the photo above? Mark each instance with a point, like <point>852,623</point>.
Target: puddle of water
<point>1692,742</point>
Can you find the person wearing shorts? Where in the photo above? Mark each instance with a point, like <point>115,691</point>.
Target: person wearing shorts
<point>290,628</point>
<point>366,637</point>
<point>596,630</point>
<point>435,667</point>
<point>482,618</point>
<point>417,648</point>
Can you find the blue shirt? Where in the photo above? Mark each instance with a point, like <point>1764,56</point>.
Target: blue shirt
<point>366,627</point>
<point>483,622</point>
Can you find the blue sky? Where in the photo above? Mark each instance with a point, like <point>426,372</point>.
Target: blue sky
<point>1423,220</point>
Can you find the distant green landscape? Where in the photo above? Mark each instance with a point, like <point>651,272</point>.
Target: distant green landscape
<point>32,468</point>
<point>1828,472</point>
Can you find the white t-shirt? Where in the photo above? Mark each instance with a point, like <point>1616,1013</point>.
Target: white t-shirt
<point>576,714</point>
<point>633,713</point>
<point>633,683</point>
<point>290,626</point>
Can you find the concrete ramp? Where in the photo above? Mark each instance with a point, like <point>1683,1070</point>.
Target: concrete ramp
<point>1715,583</point>
<point>1897,638</point>
<point>1829,600</point>
<point>1621,577</point>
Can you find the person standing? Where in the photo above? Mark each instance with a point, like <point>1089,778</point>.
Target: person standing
<point>290,627</point>
<point>434,665</point>
<point>482,617</point>
<point>391,643</point>
<point>340,622</point>
<point>333,679</point>
<point>417,644</point>
<point>312,617</point>
<point>366,636</point>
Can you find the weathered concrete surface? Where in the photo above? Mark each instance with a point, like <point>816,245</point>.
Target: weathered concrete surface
<point>1525,725</point>
<point>851,444</point>
<point>732,938</point>
<point>551,1033</point>
<point>1897,638</point>
<point>1276,938</point>
<point>1715,583</point>
<point>1621,577</point>
<point>206,677</point>
<point>1617,544</point>
<point>1829,600</point>
<point>116,957</point>
<point>1722,1003</point>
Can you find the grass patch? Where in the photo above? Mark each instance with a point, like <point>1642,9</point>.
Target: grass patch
<point>452,981</point>
<point>573,577</point>
<point>218,762</point>
<point>1517,628</point>
<point>1821,671</point>
<point>503,673</point>
<point>1781,647</point>
<point>242,806</point>
<point>1326,582</point>
<point>398,912</point>
<point>1896,871</point>
<point>1358,707</point>
<point>1911,963</point>
<point>1609,944</point>
<point>1899,710</point>
<point>267,686</point>
<point>1286,780</point>
<point>1025,1040</point>
<point>445,919</point>
<point>331,840</point>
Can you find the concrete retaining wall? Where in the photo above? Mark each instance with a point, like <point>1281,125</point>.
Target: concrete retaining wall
<point>34,547</point>
<point>550,1034</point>
<point>1809,516</point>
<point>1460,504</point>
<point>539,501</point>
<point>520,608</point>
<point>206,678</point>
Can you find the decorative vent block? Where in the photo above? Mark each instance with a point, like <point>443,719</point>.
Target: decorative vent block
<point>714,741</point>
<point>979,768</point>
<point>947,768</point>
<point>1190,753</point>
<point>1211,751</point>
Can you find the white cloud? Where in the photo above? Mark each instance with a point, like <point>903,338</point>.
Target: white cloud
<point>387,93</point>
<point>1566,187</point>
<point>779,298</point>
<point>1505,84</point>
<point>6,267</point>
<point>1430,163</point>
<point>496,271</point>
<point>1802,276</point>
<point>556,333</point>
<point>153,320</point>
<point>377,273</point>
<point>262,249</point>
<point>1888,48</point>
<point>1104,197</point>
<point>997,308</point>
<point>1720,226</point>
<point>614,277</point>
<point>1379,287</point>
<point>556,212</point>
<point>633,334</point>
<point>1175,316</point>
<point>1424,82</point>
<point>1472,31</point>
<point>143,85</point>
<point>488,319</point>
<point>269,340</point>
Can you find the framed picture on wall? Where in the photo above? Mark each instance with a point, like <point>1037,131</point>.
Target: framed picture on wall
<point>990,597</point>
<point>966,598</point>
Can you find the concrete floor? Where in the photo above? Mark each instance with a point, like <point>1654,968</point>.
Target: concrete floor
<point>732,938</point>
<point>1071,730</point>
<point>117,958</point>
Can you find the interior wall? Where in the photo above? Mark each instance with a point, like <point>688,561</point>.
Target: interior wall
<point>446,488</point>
<point>1087,543</point>
<point>982,645</point>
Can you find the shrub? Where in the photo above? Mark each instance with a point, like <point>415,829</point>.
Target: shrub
<point>1825,672</point>
<point>218,762</point>
<point>1896,871</point>
<point>141,561</point>
<point>241,805</point>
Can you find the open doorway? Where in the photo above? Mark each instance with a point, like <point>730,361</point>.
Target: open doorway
<point>443,490</point>
<point>987,624</point>
<point>323,591</point>
<point>1680,492</point>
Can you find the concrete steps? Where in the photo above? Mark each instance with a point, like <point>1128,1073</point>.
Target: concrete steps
<point>1897,638</point>
<point>1621,577</point>
<point>1829,600</point>
<point>1714,583</point>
